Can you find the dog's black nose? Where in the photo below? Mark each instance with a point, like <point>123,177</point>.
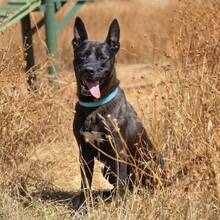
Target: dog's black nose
<point>89,70</point>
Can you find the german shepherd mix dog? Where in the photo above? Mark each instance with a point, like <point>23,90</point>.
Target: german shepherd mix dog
<point>106,126</point>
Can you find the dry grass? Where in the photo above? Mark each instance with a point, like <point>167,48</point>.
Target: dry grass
<point>37,149</point>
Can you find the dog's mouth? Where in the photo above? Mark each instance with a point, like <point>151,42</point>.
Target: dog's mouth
<point>93,87</point>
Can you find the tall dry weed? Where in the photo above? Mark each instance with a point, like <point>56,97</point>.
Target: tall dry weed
<point>28,118</point>
<point>190,118</point>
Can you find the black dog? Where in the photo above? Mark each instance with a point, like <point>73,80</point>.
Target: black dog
<point>105,125</point>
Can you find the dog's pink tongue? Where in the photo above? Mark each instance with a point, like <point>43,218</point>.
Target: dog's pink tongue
<point>93,88</point>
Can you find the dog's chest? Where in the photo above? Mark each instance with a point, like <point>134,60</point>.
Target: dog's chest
<point>101,123</point>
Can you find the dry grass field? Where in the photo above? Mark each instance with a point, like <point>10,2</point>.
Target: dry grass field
<point>169,68</point>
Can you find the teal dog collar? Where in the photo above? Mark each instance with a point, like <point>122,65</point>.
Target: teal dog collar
<point>101,101</point>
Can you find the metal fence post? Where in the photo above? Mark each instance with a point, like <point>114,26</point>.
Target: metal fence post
<point>51,38</point>
<point>28,44</point>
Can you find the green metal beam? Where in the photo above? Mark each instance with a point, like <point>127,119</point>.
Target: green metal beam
<point>51,38</point>
<point>19,10</point>
<point>18,14</point>
<point>66,19</point>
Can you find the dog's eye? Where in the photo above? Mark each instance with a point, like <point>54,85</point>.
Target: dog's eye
<point>101,58</point>
<point>82,57</point>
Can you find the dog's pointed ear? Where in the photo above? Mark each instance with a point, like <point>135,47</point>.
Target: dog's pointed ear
<point>113,36</point>
<point>79,33</point>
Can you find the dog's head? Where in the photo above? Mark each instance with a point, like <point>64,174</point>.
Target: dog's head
<point>94,61</point>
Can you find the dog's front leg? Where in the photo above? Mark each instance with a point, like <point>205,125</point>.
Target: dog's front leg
<point>121,170</point>
<point>122,178</point>
<point>86,168</point>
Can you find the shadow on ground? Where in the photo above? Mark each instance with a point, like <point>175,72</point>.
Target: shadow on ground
<point>70,199</point>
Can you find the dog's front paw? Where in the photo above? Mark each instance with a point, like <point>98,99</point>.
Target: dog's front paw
<point>79,203</point>
<point>90,122</point>
<point>93,136</point>
<point>91,129</point>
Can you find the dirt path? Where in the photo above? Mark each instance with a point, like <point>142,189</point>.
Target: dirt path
<point>139,79</point>
<point>60,160</point>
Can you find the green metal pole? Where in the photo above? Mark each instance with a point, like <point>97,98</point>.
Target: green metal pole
<point>28,44</point>
<point>51,38</point>
<point>67,18</point>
